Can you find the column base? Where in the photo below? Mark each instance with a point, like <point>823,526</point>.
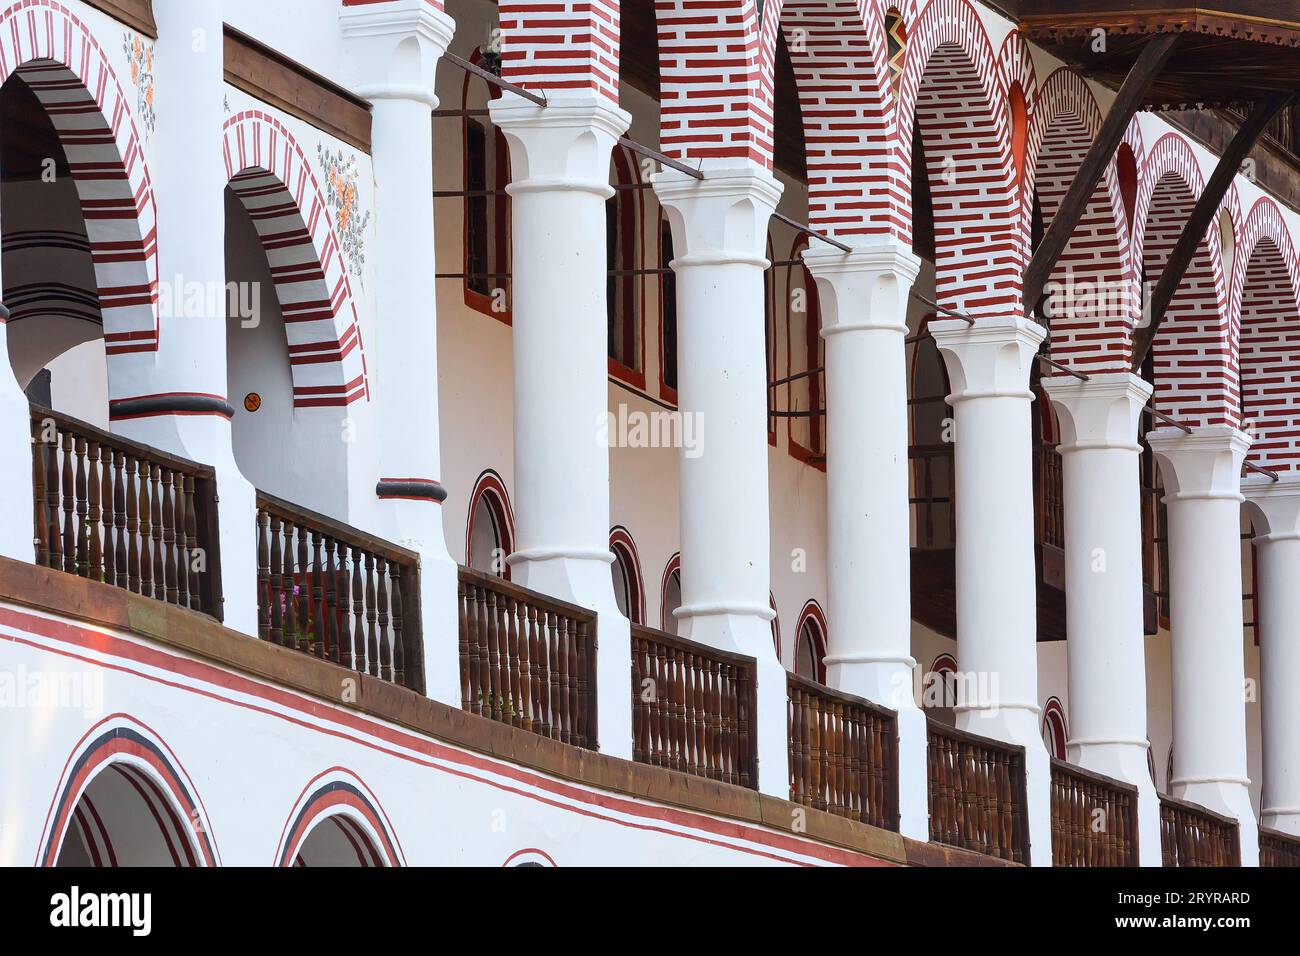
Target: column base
<point>1282,820</point>
<point>1231,798</point>
<point>583,577</point>
<point>1127,762</point>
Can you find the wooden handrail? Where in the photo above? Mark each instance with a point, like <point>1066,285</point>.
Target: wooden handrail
<point>527,659</point>
<point>1278,849</point>
<point>116,511</point>
<point>1193,835</point>
<point>335,592</point>
<point>843,753</point>
<point>1094,818</point>
<point>693,708</point>
<point>977,793</point>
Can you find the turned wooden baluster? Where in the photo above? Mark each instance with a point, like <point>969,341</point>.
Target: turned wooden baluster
<point>264,597</point>
<point>146,530</point>
<point>359,612</point>
<point>302,590</point>
<point>107,504</point>
<point>384,636</point>
<point>464,604</point>
<point>82,506</point>
<point>537,657</point>
<point>159,559</point>
<point>484,657</point>
<point>180,548</point>
<point>372,621</point>
<point>41,492</point>
<point>330,615</point>
<point>321,644</point>
<point>399,582</point>
<point>170,569</point>
<point>277,581</point>
<point>194,558</point>
<point>132,491</point>
<point>69,508</point>
<point>94,516</point>
<point>121,520</point>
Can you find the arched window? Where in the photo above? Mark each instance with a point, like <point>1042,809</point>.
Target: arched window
<point>667,314</point>
<point>629,589</point>
<point>810,647</point>
<point>624,277</point>
<point>670,595</point>
<point>1055,733</point>
<point>939,690</point>
<point>486,203</point>
<point>490,531</point>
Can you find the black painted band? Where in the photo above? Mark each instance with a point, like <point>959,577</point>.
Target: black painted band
<point>419,490</point>
<point>155,405</point>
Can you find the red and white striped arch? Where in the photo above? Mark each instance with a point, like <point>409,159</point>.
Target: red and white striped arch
<point>272,178</point>
<point>1196,375</point>
<point>839,51</point>
<point>1098,300</point>
<point>59,59</point>
<point>715,72</point>
<point>950,84</point>
<point>123,745</point>
<point>567,45</point>
<point>1265,296</point>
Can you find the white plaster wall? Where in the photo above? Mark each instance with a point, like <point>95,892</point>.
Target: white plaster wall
<point>249,751</point>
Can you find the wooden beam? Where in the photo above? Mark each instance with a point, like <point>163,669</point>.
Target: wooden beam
<point>1131,95</point>
<point>137,14</point>
<point>1207,205</point>
<point>280,82</point>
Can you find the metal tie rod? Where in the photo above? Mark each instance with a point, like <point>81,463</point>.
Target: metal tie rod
<point>492,78</point>
<point>1162,417</point>
<point>809,230</point>
<point>944,309</point>
<point>659,157</point>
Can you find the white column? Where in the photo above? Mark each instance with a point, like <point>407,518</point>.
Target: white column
<point>559,157</point>
<point>1202,478</point>
<point>1103,583</point>
<point>864,296</point>
<point>1275,509</point>
<point>719,234</point>
<point>175,399</point>
<point>396,50</point>
<point>997,694</point>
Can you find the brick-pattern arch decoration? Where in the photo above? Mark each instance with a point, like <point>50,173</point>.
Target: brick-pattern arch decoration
<point>1097,300</point>
<point>272,178</point>
<point>950,84</point>
<point>839,52</point>
<point>339,796</point>
<point>57,56</point>
<point>1196,375</point>
<point>121,744</point>
<point>567,45</point>
<point>716,69</point>
<point>1016,71</point>
<point>1265,297</point>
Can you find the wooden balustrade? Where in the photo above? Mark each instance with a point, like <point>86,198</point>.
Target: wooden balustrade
<point>1278,849</point>
<point>843,754</point>
<point>693,708</point>
<point>124,514</point>
<point>527,660</point>
<point>1191,835</point>
<point>338,594</point>
<point>1094,819</point>
<point>977,794</point>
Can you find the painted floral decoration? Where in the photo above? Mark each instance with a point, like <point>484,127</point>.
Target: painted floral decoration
<point>341,194</point>
<point>139,55</point>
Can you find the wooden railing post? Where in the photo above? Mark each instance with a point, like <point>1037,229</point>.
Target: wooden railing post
<point>977,794</point>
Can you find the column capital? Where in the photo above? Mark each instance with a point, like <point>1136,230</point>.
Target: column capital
<point>990,359</point>
<point>721,219</point>
<point>1203,464</point>
<point>563,146</point>
<point>1102,412</point>
<point>865,289</point>
<point>388,66</point>
<point>1274,506</point>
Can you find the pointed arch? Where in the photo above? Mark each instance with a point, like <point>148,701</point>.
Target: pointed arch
<point>1265,299</point>
<point>1195,337</point>
<point>950,90</point>
<point>272,178</point>
<point>1096,302</point>
<point>340,804</point>
<point>716,66</point>
<point>839,54</point>
<point>57,56</point>
<point>123,752</point>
